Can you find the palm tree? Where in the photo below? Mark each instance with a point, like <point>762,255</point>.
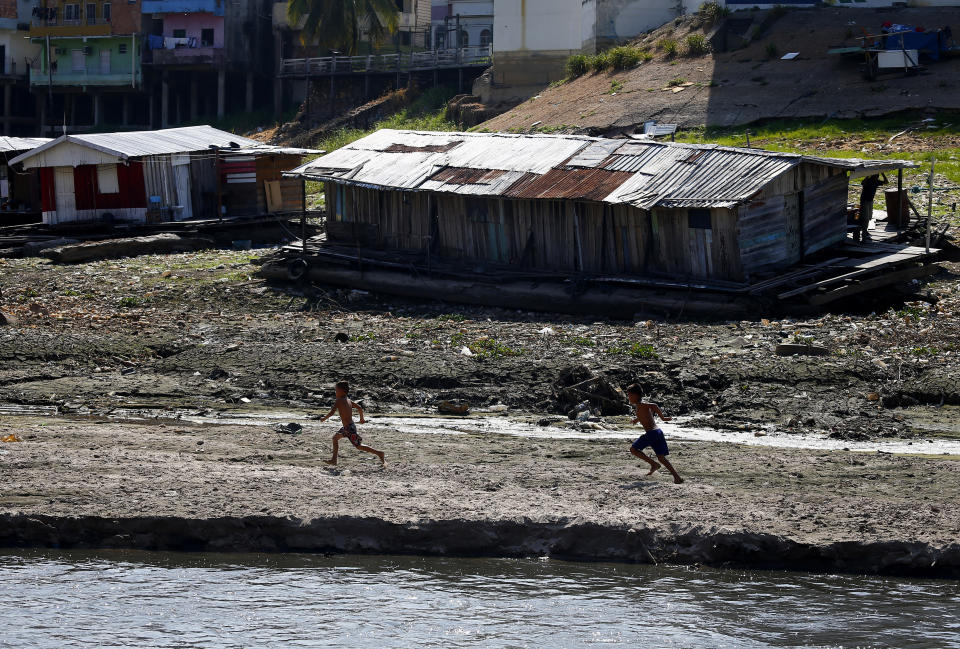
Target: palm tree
<point>337,23</point>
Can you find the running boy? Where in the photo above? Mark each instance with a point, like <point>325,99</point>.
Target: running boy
<point>654,436</point>
<point>345,406</point>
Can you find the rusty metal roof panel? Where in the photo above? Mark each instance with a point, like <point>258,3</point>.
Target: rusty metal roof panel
<point>580,183</point>
<point>472,181</point>
<point>643,173</point>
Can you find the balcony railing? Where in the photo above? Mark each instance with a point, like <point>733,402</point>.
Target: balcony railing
<point>85,78</point>
<point>68,22</point>
<point>405,62</point>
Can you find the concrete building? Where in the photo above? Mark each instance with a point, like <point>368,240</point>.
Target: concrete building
<point>473,17</point>
<point>90,63</point>
<point>534,38</point>
<point>17,54</point>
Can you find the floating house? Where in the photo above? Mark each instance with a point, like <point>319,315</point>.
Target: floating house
<point>578,205</point>
<point>165,175</point>
<point>19,189</point>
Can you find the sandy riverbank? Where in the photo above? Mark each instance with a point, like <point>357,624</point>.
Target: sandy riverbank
<point>102,483</point>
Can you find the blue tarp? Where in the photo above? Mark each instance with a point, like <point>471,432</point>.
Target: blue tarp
<point>929,44</point>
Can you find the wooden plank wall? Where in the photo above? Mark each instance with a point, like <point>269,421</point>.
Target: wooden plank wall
<point>203,178</point>
<point>762,234</point>
<point>825,212</point>
<point>271,167</point>
<point>680,251</point>
<point>542,234</point>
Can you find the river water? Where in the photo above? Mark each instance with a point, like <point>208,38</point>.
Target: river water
<point>138,599</point>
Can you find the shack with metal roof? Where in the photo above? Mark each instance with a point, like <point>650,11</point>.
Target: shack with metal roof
<point>165,175</point>
<point>19,189</point>
<point>578,204</point>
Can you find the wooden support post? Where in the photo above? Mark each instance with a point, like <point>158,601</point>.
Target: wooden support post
<point>97,101</point>
<point>194,96</point>
<point>42,99</point>
<point>164,102</point>
<point>216,166</point>
<point>303,214</point>
<point>333,70</point>
<point>933,162</point>
<point>221,92</point>
<point>7,107</point>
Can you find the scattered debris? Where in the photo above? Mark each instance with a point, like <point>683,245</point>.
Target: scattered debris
<point>457,407</point>
<point>131,247</point>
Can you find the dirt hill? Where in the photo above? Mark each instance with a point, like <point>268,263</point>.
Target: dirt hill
<point>744,79</point>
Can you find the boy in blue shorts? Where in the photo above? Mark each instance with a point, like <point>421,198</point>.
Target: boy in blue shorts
<point>654,436</point>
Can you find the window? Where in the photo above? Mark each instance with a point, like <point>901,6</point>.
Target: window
<point>206,38</point>
<point>485,38</point>
<point>78,61</point>
<point>107,12</point>
<point>179,33</point>
<point>91,13</point>
<point>405,38</point>
<point>107,181</point>
<point>464,38</point>
<point>699,219</point>
<point>71,13</point>
<point>122,48</point>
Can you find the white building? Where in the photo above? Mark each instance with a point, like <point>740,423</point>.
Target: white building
<point>474,18</point>
<point>534,38</point>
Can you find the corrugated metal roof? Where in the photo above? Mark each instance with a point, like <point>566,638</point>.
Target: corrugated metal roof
<point>137,144</point>
<point>11,144</point>
<point>643,173</point>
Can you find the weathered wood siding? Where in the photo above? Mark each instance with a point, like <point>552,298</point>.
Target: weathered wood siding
<point>798,213</point>
<point>825,213</point>
<point>682,251</point>
<point>565,236</point>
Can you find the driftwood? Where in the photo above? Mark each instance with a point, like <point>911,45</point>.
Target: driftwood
<point>131,247</point>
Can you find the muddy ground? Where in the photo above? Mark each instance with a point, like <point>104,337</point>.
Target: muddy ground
<point>88,347</point>
<point>176,485</point>
<point>201,331</point>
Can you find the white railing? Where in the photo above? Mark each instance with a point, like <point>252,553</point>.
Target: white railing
<point>476,55</point>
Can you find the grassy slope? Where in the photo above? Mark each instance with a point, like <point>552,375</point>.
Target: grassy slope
<point>426,113</point>
<point>871,139</point>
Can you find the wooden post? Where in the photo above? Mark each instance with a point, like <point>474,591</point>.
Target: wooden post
<point>164,102</point>
<point>933,161</point>
<point>333,70</point>
<point>221,92</point>
<point>901,222</point>
<point>303,214</point>
<point>216,153</point>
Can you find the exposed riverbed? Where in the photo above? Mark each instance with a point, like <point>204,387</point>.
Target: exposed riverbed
<point>463,487</point>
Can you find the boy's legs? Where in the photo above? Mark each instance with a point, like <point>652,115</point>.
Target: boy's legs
<point>370,449</point>
<point>336,447</point>
<point>676,476</point>
<point>643,456</point>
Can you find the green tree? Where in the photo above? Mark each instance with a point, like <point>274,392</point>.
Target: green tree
<point>337,24</point>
